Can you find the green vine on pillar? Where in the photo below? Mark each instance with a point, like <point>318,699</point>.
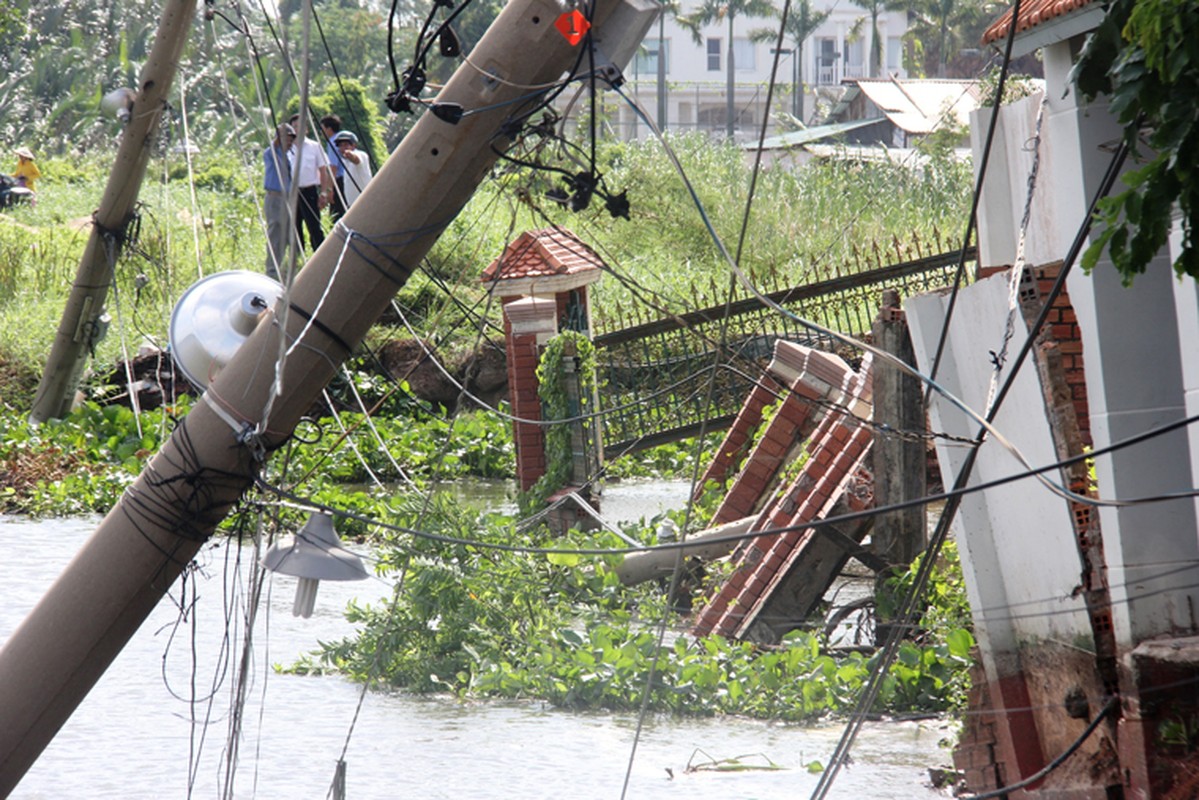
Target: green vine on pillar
<point>555,406</point>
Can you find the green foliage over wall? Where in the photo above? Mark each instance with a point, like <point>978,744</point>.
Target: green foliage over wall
<point>555,405</point>
<point>1146,57</point>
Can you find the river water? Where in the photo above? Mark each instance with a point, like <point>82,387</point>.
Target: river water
<point>156,725</point>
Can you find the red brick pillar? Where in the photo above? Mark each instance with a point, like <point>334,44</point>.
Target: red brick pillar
<point>735,446</point>
<point>528,325</point>
<point>975,753</point>
<point>1062,327</point>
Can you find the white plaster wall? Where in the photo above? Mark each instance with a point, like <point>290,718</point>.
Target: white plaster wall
<point>1135,383</point>
<point>1005,191</point>
<point>691,83</point>
<point>1186,305</point>
<point>1016,541</point>
<point>689,61</point>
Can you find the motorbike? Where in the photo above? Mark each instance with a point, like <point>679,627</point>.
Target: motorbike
<point>13,192</point>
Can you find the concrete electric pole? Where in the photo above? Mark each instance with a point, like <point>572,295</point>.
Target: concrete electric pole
<point>81,326</point>
<point>63,647</point>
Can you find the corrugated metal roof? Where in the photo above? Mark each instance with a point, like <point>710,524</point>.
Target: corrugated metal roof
<point>1032,14</point>
<point>922,106</point>
<point>809,135</point>
<point>904,156</point>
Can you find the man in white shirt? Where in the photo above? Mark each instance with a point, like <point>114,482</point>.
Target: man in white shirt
<point>309,169</point>
<point>357,165</point>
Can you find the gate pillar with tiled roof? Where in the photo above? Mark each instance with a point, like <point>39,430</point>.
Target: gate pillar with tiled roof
<point>542,279</point>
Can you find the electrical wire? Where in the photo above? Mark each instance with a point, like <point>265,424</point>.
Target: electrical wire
<point>954,494</point>
<point>908,608</point>
<point>976,195</point>
<point>677,571</point>
<point>984,421</point>
<point>592,144</point>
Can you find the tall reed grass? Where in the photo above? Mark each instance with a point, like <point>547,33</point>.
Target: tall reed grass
<point>177,235</point>
<point>806,222</point>
<point>202,218</point>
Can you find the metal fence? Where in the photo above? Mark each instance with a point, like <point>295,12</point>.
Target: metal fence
<point>675,377</point>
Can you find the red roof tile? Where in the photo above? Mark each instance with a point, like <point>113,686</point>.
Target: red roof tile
<point>539,254</point>
<point>1032,14</point>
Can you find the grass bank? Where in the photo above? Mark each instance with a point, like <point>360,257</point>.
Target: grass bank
<point>200,216</point>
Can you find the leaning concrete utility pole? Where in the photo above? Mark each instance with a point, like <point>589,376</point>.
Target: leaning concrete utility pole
<point>252,407</point>
<point>81,325</point>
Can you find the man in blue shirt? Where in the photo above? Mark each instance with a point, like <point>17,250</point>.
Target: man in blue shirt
<point>276,182</point>
<point>331,125</point>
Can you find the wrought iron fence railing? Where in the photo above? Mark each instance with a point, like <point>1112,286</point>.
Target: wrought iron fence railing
<point>675,377</point>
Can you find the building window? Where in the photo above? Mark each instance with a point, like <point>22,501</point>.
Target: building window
<point>646,62</point>
<point>855,59</point>
<point>712,119</point>
<point>744,54</point>
<point>827,73</point>
<point>714,46</point>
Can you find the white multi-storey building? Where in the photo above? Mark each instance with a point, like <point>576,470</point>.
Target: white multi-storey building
<point>696,75</point>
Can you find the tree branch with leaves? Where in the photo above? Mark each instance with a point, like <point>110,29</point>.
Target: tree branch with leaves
<point>1144,56</point>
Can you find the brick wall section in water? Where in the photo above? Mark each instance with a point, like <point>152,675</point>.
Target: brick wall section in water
<point>836,445</point>
<point>974,756</point>
<point>837,451</point>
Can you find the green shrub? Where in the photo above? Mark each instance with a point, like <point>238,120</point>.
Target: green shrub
<point>560,627</point>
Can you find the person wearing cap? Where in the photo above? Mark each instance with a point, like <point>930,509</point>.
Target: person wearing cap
<point>27,172</point>
<point>276,182</point>
<point>357,165</point>
<point>330,125</point>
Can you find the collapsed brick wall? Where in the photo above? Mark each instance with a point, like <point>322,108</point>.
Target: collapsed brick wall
<point>810,419</point>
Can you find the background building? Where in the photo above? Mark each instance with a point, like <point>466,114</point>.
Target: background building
<point>695,85</point>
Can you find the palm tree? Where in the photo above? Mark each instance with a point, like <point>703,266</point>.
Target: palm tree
<point>726,10</point>
<point>801,23</point>
<point>950,23</point>
<point>56,58</point>
<point>670,7</point>
<point>874,8</point>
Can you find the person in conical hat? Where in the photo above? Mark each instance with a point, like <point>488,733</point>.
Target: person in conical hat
<point>26,172</point>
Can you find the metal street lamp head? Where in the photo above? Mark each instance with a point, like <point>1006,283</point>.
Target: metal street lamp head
<point>214,317</point>
<point>313,555</point>
<point>119,103</point>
